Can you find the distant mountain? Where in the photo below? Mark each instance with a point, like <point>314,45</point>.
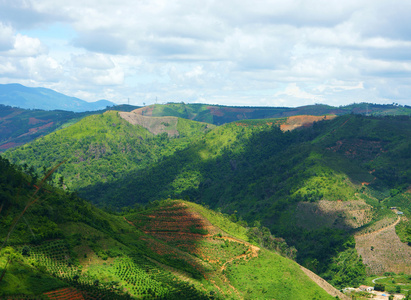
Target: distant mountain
<point>218,114</point>
<point>18,95</point>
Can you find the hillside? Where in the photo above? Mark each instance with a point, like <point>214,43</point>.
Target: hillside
<point>20,126</point>
<point>322,183</point>
<point>41,98</point>
<point>64,248</point>
<point>103,147</point>
<point>316,186</point>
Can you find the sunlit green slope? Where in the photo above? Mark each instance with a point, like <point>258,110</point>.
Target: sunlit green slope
<point>66,248</point>
<point>101,148</point>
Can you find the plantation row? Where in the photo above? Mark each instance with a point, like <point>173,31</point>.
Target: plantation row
<point>137,276</point>
<point>146,280</point>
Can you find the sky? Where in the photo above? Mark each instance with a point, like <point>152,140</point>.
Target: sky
<point>244,53</point>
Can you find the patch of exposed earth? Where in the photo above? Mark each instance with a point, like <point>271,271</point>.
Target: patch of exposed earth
<point>336,214</point>
<point>382,251</point>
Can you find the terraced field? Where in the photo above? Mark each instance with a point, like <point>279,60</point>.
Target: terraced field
<point>188,236</point>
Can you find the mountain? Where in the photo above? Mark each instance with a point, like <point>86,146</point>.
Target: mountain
<point>65,248</point>
<point>17,95</point>
<point>325,187</point>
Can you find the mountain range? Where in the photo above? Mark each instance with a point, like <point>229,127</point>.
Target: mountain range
<point>199,201</point>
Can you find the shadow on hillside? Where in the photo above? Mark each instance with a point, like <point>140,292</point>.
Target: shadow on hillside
<point>257,176</point>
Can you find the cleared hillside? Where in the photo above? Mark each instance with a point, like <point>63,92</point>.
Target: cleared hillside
<point>383,251</point>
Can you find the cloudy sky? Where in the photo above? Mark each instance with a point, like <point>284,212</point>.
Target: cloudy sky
<point>254,53</point>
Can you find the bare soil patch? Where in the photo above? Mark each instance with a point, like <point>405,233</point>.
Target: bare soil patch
<point>294,122</point>
<point>155,125</point>
<point>337,214</point>
<point>382,251</point>
<point>324,284</point>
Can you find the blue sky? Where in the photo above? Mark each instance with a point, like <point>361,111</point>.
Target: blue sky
<point>253,53</point>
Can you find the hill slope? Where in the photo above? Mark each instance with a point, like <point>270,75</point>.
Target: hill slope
<point>41,98</point>
<point>20,126</point>
<point>65,248</point>
<point>321,183</point>
<point>101,148</point>
<point>316,187</point>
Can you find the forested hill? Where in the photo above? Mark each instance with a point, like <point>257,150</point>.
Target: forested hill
<point>103,147</point>
<point>54,245</point>
<point>19,126</point>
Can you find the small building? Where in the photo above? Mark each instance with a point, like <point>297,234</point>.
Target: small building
<point>365,288</point>
<point>400,213</point>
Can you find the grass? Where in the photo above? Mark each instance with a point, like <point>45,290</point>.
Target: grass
<point>25,278</point>
<point>273,277</point>
<point>221,221</point>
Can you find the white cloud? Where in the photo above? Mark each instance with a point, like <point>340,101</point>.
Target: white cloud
<point>25,46</point>
<point>6,37</point>
<point>233,52</point>
<point>93,61</point>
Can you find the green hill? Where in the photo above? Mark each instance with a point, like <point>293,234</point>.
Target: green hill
<point>218,114</point>
<point>103,147</point>
<point>20,126</point>
<point>295,183</point>
<point>64,248</point>
<point>316,187</point>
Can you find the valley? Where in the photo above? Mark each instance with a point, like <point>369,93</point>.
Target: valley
<point>165,207</point>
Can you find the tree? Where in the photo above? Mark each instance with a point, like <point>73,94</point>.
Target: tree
<point>25,251</point>
<point>379,287</point>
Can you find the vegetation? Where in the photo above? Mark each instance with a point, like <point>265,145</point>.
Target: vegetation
<point>20,126</point>
<point>64,247</point>
<point>252,172</point>
<point>100,148</point>
<point>218,114</point>
<point>403,230</point>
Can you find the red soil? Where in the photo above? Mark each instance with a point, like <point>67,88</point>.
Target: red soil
<point>9,145</point>
<point>294,122</point>
<point>34,121</point>
<point>65,294</point>
<point>32,130</point>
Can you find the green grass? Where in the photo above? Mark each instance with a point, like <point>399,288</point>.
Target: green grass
<point>221,221</point>
<point>271,276</point>
<point>391,281</point>
<point>24,278</point>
